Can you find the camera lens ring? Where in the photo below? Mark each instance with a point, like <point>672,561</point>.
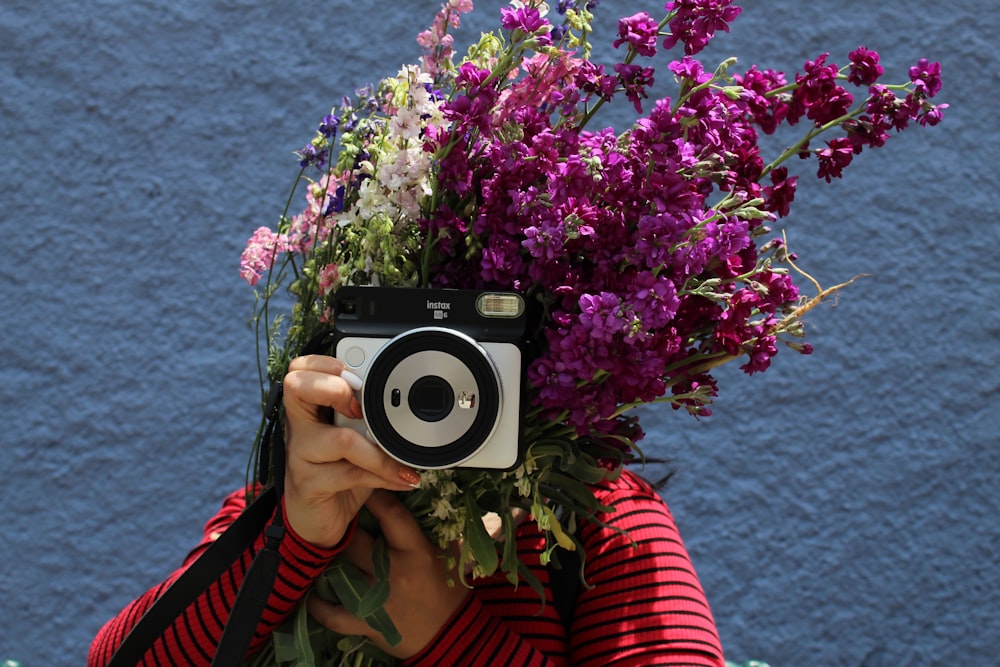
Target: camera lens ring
<point>445,342</point>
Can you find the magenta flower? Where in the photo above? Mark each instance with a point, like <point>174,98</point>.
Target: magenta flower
<point>838,154</point>
<point>640,31</point>
<point>635,79</point>
<point>818,96</point>
<point>760,354</point>
<point>932,115</point>
<point>865,68</point>
<point>591,79</point>
<point>781,193</point>
<point>526,19</point>
<point>695,22</point>
<point>768,111</point>
<point>926,76</point>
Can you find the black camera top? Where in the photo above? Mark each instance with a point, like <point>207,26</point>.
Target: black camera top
<point>370,311</point>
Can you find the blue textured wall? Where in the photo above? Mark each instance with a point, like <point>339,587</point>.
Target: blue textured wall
<point>841,509</point>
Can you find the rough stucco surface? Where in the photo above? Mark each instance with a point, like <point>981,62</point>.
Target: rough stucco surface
<point>841,509</point>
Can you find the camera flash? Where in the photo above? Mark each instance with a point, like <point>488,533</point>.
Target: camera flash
<point>492,304</point>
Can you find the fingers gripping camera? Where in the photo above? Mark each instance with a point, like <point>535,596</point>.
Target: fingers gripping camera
<point>442,371</point>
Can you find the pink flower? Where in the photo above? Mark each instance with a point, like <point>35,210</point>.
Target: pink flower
<point>328,279</point>
<point>259,255</point>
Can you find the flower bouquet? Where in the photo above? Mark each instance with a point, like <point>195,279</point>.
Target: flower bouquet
<point>648,252</point>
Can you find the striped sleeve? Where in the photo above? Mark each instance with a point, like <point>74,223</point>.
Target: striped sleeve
<point>192,638</point>
<point>646,605</point>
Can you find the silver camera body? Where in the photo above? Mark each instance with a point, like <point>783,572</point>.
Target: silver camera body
<point>443,372</point>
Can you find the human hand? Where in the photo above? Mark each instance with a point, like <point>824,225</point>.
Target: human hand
<point>420,598</point>
<point>330,471</point>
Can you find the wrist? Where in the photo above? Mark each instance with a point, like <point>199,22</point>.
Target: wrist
<point>327,535</point>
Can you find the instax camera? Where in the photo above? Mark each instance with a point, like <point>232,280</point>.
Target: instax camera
<point>443,372</point>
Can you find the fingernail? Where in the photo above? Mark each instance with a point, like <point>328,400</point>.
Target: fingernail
<point>356,409</point>
<point>352,380</point>
<point>411,477</point>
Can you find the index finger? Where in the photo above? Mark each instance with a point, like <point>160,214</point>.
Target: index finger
<point>322,363</point>
<point>323,384</point>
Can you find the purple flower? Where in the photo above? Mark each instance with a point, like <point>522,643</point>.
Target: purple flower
<point>932,115</point>
<point>838,154</point>
<point>601,315</point>
<point>768,111</point>
<point>775,289</point>
<point>695,21</point>
<point>635,79</point>
<point>780,194</point>
<point>471,76</point>
<point>817,95</point>
<point>309,155</point>
<point>328,126</point>
<point>691,69</point>
<point>760,355</point>
<point>472,110</point>
<point>865,68</point>
<point>526,19</point>
<point>654,302</point>
<point>639,31</point>
<point>926,76</point>
<point>573,4</point>
<point>591,79</point>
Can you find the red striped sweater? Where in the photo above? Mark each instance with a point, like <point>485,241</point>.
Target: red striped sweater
<point>646,606</point>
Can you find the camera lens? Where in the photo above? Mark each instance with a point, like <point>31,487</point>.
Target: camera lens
<point>431,398</point>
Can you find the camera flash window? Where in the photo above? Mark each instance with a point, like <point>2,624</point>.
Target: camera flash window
<point>506,305</point>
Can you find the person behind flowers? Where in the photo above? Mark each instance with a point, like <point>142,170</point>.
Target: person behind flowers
<point>651,253</point>
<point>646,605</point>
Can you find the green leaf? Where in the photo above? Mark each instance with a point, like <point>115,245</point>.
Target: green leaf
<point>480,543</point>
<point>305,656</point>
<point>510,558</point>
<point>350,586</point>
<point>378,593</point>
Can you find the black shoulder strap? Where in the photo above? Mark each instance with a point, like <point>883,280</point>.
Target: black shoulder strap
<point>565,583</point>
<point>196,579</point>
<point>259,579</point>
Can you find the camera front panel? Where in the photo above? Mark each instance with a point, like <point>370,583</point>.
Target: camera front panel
<point>435,398</point>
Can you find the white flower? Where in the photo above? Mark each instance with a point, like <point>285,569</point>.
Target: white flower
<point>406,124</point>
<point>442,509</point>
